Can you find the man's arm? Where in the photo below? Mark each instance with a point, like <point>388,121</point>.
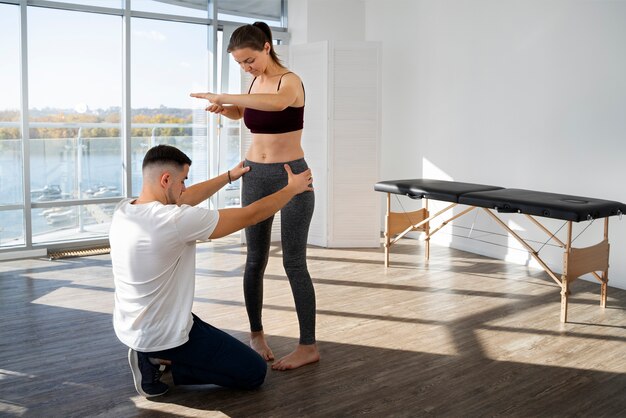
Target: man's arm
<point>234,219</point>
<point>200,192</point>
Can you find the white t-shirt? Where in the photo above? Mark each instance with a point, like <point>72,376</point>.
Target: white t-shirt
<point>153,252</point>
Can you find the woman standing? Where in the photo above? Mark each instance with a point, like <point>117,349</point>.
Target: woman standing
<point>273,110</point>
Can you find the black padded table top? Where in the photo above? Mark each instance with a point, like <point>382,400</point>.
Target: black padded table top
<point>530,202</point>
<point>549,205</point>
<point>447,191</point>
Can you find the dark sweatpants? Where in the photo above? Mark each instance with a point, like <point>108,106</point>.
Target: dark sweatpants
<point>263,180</point>
<point>212,356</point>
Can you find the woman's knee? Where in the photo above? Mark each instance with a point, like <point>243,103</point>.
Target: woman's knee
<point>256,265</point>
<point>295,266</point>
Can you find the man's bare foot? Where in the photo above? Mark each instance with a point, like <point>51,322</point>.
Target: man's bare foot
<point>259,344</point>
<point>303,354</point>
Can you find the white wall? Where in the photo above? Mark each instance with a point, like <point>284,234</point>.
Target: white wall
<point>326,20</point>
<point>523,93</point>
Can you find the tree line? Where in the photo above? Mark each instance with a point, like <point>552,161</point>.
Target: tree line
<point>139,116</point>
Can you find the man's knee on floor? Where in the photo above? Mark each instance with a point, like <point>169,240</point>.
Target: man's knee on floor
<point>256,375</point>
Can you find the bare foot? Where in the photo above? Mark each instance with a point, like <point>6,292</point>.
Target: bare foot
<point>303,354</point>
<point>259,344</point>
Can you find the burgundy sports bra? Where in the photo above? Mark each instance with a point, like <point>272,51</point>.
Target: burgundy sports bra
<point>274,122</point>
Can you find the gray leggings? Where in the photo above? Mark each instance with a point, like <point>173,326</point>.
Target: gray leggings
<point>263,180</point>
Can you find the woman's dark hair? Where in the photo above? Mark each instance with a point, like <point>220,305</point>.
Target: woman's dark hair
<point>254,37</point>
<point>165,154</point>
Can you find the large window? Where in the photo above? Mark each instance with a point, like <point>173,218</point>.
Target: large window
<point>88,86</point>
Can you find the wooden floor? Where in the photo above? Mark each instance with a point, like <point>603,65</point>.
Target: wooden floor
<point>461,336</point>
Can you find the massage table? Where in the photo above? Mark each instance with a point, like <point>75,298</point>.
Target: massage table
<point>494,200</point>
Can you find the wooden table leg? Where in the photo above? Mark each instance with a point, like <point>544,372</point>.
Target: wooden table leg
<point>605,272</point>
<point>387,237</point>
<point>564,277</point>
<point>427,240</point>
<point>564,294</point>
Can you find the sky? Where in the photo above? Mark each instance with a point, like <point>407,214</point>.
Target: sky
<point>75,60</point>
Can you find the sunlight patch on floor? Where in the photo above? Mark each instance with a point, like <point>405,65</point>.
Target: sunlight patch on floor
<point>176,410</point>
<point>401,336</point>
<point>6,373</point>
<point>6,407</point>
<point>547,349</point>
<point>11,409</point>
<point>80,299</point>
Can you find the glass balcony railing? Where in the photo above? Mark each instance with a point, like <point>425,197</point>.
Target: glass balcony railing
<point>76,177</point>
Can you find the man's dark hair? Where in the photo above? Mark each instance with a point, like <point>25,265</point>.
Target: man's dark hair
<point>165,154</point>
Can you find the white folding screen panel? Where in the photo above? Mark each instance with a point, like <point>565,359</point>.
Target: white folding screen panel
<point>355,115</point>
<point>341,139</point>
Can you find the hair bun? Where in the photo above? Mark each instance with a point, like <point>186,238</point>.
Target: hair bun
<point>265,28</point>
